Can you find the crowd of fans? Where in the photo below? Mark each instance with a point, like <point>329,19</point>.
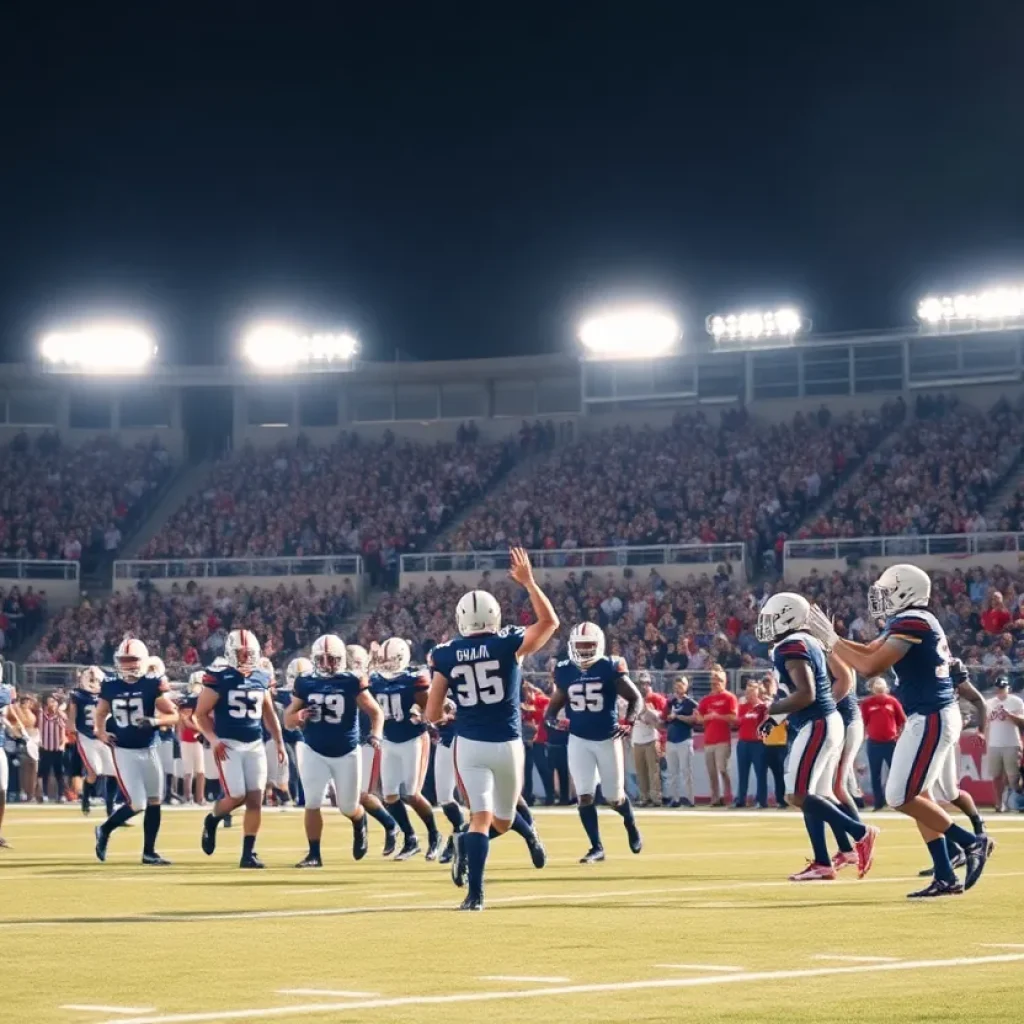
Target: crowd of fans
<point>935,477</point>
<point>377,499</point>
<point>693,482</point>
<point>74,503</point>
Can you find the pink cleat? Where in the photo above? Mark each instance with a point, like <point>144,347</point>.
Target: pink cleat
<point>845,860</point>
<point>814,873</point>
<point>866,851</point>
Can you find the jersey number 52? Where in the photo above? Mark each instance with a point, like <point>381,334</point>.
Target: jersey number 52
<point>479,683</point>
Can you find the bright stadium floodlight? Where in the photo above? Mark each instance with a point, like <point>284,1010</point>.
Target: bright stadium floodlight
<point>636,332</point>
<point>754,325</point>
<point>993,306</point>
<point>281,347</point>
<point>103,347</point>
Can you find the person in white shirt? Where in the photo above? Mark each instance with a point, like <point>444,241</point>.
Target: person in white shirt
<point>1003,742</point>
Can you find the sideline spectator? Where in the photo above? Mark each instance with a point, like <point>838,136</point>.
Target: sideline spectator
<point>884,719</point>
<point>645,743</point>
<point>718,711</point>
<point>776,746</point>
<point>680,715</point>
<point>1003,742</point>
<point>749,747</point>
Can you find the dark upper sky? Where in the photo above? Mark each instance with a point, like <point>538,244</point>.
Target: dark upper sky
<point>460,179</point>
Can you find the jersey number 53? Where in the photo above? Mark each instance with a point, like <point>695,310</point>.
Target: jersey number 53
<point>479,683</point>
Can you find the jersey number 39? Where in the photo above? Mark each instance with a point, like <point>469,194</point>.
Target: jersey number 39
<point>479,683</point>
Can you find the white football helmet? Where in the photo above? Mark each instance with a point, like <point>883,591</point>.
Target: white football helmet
<point>394,655</point>
<point>358,659</point>
<point>478,612</point>
<point>90,679</point>
<point>781,613</point>
<point>328,655</point>
<point>219,663</point>
<point>586,644</point>
<point>898,588</point>
<point>297,667</point>
<point>242,650</point>
<point>155,667</point>
<point>195,680</point>
<point>130,659</point>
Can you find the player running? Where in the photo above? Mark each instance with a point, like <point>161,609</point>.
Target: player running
<point>844,692</point>
<point>817,731</point>
<point>96,759</point>
<point>131,708</point>
<point>405,754</point>
<point>589,686</point>
<point>914,646</point>
<point>234,701</point>
<point>324,706</point>
<point>481,670</point>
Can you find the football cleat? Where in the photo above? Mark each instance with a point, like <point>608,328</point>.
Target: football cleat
<point>390,842</point>
<point>101,844</point>
<point>209,840</point>
<point>844,860</point>
<point>360,839</point>
<point>309,861</point>
<point>4,845</point>
<point>252,861</point>
<point>866,851</point>
<point>227,821</point>
<point>155,860</point>
<point>449,852</point>
<point>434,848</point>
<point>814,873</point>
<point>538,854</point>
<point>472,903</point>
<point>409,849</point>
<point>460,865</point>
<point>977,858</point>
<point>636,843</point>
<point>937,888</point>
<point>593,856</point>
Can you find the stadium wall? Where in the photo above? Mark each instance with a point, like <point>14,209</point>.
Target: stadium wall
<point>212,584</point>
<point>797,569</point>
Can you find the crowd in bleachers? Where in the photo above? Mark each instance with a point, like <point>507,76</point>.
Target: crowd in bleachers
<point>374,498</point>
<point>74,503</point>
<point>693,482</point>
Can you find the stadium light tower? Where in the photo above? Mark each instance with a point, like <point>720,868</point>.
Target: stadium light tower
<point>284,348</point>
<point>756,325</point>
<point>994,308</point>
<point>102,347</point>
<point>630,332</point>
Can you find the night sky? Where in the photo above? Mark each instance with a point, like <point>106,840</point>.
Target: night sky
<point>463,179</point>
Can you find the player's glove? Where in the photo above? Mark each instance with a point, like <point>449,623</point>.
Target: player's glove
<point>623,731</point>
<point>819,625</point>
<point>958,672</point>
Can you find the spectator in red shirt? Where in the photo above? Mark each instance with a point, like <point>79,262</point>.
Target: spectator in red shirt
<point>884,718</point>
<point>995,618</point>
<point>750,748</point>
<point>718,711</point>
<point>534,706</point>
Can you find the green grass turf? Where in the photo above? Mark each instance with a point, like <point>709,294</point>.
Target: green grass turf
<point>709,889</point>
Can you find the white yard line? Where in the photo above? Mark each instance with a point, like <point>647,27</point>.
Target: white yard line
<point>394,895</point>
<point>698,967</point>
<point>1001,945</point>
<point>524,977</point>
<point>91,1008</point>
<point>340,993</point>
<point>264,1013</point>
<point>858,959</point>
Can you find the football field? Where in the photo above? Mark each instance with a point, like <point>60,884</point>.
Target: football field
<point>701,926</point>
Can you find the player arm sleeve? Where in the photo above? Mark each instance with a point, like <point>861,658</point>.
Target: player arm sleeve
<point>628,691</point>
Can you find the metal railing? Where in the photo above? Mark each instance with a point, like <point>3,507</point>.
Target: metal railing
<point>578,558</point>
<point>38,569</point>
<point>194,568</point>
<point>902,546</point>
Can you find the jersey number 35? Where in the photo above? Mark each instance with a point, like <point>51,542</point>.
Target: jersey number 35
<point>479,683</point>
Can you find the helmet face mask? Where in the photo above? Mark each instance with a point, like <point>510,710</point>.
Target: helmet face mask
<point>586,644</point>
<point>298,667</point>
<point>782,613</point>
<point>329,656</point>
<point>90,679</point>
<point>898,588</point>
<point>394,656</point>
<point>242,651</point>
<point>358,659</point>
<point>130,659</point>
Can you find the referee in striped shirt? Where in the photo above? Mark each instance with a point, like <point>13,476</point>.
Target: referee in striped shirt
<point>52,728</point>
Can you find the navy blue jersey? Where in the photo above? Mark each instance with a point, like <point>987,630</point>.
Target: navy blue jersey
<point>238,713</point>
<point>676,731</point>
<point>282,698</point>
<point>925,685</point>
<point>85,712</point>
<point>5,701</point>
<point>397,697</point>
<point>803,647</point>
<point>591,696</point>
<point>848,708</point>
<point>333,730</point>
<point>364,727</point>
<point>131,703</point>
<point>485,681</point>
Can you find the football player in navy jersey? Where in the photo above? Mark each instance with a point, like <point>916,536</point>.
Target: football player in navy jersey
<point>817,732</point>
<point>324,706</point>
<point>369,754</point>
<point>445,781</point>
<point>96,760</point>
<point>234,702</point>
<point>130,709</point>
<point>277,768</point>
<point>405,754</point>
<point>588,685</point>
<point>481,671</point>
<point>914,646</point>
<point>844,693</point>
